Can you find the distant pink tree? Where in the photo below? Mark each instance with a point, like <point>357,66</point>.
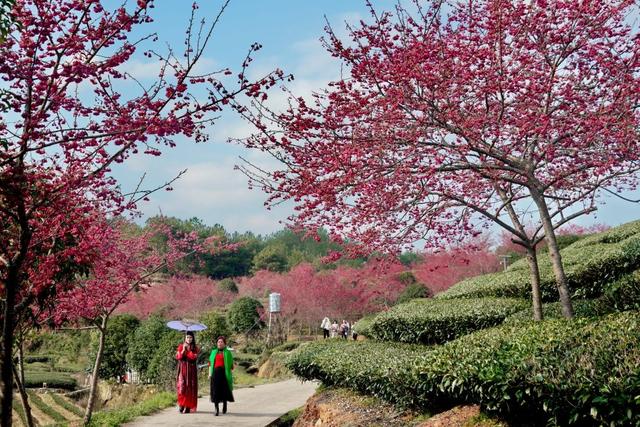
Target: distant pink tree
<point>343,293</point>
<point>177,297</point>
<point>439,270</point>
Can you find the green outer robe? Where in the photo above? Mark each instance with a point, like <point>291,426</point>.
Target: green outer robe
<point>228,364</point>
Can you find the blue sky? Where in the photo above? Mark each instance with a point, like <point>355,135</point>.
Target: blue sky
<point>289,32</point>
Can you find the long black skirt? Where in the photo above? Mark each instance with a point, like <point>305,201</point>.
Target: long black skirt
<point>220,391</point>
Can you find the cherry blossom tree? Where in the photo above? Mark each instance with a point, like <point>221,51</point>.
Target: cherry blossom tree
<point>455,115</point>
<point>70,110</point>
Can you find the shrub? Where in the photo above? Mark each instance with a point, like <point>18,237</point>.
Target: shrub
<point>553,310</point>
<point>581,372</point>
<point>216,326</point>
<point>287,346</point>
<point>144,344</point>
<point>37,359</point>
<point>243,315</point>
<point>66,404</point>
<point>228,285</point>
<point>624,293</point>
<point>58,342</point>
<point>413,291</point>
<point>363,326</point>
<point>120,332</point>
<point>559,372</point>
<point>429,321</point>
<point>162,366</point>
<point>407,278</point>
<point>34,379</point>
<point>590,264</point>
<point>121,416</point>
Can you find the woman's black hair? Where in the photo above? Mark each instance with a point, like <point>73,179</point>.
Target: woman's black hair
<point>193,343</point>
<point>221,337</point>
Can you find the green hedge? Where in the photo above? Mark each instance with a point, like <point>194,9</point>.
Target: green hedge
<point>590,264</point>
<point>363,326</point>
<point>624,293</point>
<point>553,310</point>
<point>580,372</point>
<point>120,416</point>
<point>37,401</point>
<point>429,321</point>
<point>370,367</point>
<point>37,358</point>
<point>35,379</point>
<point>66,404</point>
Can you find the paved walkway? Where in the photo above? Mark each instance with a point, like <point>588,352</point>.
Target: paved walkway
<point>253,407</point>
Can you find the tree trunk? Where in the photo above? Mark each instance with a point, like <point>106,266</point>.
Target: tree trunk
<point>554,254</point>
<point>532,256</point>
<point>19,377</point>
<point>532,259</point>
<point>6,370</point>
<point>102,331</point>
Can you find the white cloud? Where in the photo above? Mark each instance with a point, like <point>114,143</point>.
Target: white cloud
<point>145,70</point>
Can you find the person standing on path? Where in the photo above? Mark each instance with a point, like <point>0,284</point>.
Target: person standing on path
<point>326,326</point>
<point>187,376</point>
<point>220,367</point>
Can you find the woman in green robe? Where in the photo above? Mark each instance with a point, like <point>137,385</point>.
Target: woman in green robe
<point>220,367</point>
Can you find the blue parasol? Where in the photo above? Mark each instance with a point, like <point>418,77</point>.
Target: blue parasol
<point>186,325</point>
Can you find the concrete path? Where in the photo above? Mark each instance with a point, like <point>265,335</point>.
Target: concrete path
<point>253,407</point>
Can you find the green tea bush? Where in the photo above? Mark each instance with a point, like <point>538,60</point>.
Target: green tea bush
<point>624,293</point>
<point>118,417</point>
<point>16,404</point>
<point>363,326</point>
<point>508,284</point>
<point>413,291</point>
<point>553,310</point>
<point>370,367</point>
<point>36,379</point>
<point>37,401</point>
<point>287,346</point>
<point>580,372</point>
<point>429,321</point>
<point>559,372</point>
<point>66,404</point>
<point>590,264</point>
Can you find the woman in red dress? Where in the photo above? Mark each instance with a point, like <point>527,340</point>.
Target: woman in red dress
<point>187,378</point>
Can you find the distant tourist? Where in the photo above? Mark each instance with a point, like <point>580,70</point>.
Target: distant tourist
<point>354,333</point>
<point>220,367</point>
<point>326,326</point>
<point>344,329</point>
<point>187,378</point>
<point>334,329</point>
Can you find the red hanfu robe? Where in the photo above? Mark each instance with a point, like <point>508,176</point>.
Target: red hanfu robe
<point>187,378</point>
